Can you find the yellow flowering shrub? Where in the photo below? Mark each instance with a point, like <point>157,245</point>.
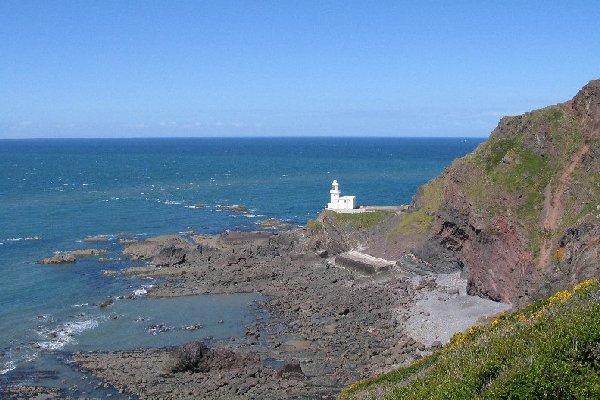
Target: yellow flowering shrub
<point>560,297</point>
<point>585,284</point>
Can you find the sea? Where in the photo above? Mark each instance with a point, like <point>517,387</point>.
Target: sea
<point>56,192</point>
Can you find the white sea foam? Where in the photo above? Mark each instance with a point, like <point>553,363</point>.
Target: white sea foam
<point>65,334</point>
<point>249,215</point>
<point>143,290</point>
<point>23,355</point>
<point>23,238</point>
<point>172,202</point>
<point>7,367</point>
<point>81,305</point>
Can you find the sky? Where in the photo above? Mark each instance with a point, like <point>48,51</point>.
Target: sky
<point>287,68</point>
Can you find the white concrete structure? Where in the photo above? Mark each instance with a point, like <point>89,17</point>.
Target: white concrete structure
<point>340,203</point>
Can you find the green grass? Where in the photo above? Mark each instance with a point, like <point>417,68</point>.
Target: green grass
<point>362,220</point>
<point>548,350</point>
<point>314,226</point>
<point>416,222</point>
<point>421,220</point>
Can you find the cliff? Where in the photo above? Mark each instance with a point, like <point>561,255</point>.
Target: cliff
<point>520,215</point>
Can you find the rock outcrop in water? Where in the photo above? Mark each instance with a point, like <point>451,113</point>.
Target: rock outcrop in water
<point>71,257</point>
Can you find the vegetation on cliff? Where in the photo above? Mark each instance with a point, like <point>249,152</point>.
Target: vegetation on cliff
<point>362,220</point>
<point>549,349</point>
<point>520,213</point>
<point>420,220</point>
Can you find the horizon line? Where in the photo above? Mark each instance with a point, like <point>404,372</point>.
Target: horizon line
<point>245,137</point>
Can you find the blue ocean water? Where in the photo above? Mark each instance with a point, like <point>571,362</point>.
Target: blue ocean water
<point>53,193</point>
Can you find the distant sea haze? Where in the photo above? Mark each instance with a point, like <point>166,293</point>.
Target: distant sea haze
<point>54,193</point>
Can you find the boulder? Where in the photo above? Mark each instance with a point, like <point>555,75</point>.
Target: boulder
<point>291,370</point>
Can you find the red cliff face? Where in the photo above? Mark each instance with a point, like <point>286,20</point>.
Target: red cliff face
<point>521,213</point>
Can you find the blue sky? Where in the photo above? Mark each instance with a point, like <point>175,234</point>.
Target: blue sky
<point>276,68</point>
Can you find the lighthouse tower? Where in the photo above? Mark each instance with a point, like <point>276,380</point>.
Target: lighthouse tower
<point>335,192</point>
<point>338,202</point>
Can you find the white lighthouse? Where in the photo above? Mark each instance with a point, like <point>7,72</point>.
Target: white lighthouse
<point>338,202</point>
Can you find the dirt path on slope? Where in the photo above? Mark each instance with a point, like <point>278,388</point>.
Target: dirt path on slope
<point>553,203</point>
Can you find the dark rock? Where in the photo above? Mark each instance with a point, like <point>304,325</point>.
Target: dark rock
<point>66,258</point>
<point>323,253</point>
<point>106,303</point>
<point>291,370</point>
<point>190,358</point>
<point>436,345</point>
<point>88,252</point>
<point>152,247</point>
<point>344,311</point>
<point>171,255</point>
<point>96,239</point>
<point>235,207</point>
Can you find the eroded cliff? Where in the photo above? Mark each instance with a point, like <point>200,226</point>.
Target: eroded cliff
<point>520,214</point>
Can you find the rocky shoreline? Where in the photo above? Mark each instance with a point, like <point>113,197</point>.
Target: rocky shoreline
<point>330,325</point>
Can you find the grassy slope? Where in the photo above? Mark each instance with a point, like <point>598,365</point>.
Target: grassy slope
<point>547,350</point>
<point>361,220</point>
<point>507,176</point>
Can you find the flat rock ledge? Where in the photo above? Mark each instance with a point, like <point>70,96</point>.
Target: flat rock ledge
<point>70,257</point>
<point>30,392</point>
<point>330,323</point>
<point>206,373</point>
<point>363,263</point>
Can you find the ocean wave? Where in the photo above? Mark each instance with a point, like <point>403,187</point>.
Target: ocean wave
<point>18,239</point>
<point>65,334</point>
<point>7,367</point>
<point>172,202</point>
<point>143,290</point>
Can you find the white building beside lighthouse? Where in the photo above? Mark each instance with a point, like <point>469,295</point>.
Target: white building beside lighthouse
<point>338,202</point>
